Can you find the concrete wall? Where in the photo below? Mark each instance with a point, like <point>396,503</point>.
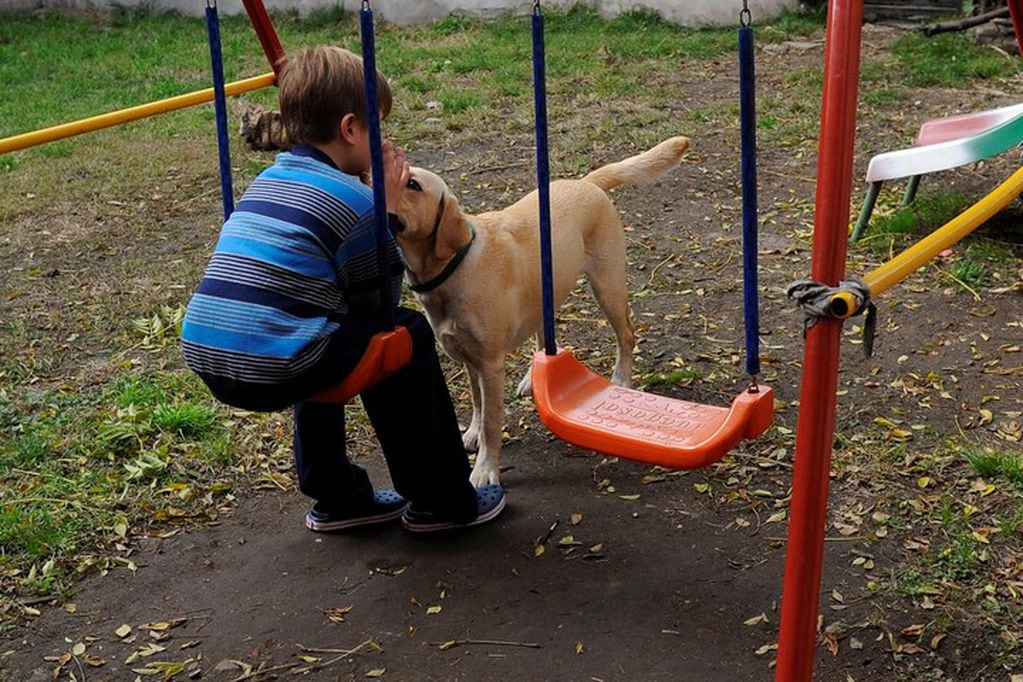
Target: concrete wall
<point>685,12</point>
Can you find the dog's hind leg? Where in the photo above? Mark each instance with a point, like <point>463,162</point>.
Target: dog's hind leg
<point>617,311</point>
<point>471,436</point>
<point>606,275</point>
<point>525,387</point>
<point>488,459</point>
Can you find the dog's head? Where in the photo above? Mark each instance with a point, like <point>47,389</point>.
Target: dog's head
<point>434,225</point>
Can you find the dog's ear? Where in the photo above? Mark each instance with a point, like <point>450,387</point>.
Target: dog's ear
<point>452,229</point>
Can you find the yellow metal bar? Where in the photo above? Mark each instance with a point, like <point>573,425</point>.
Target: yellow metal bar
<point>843,304</point>
<point>912,259</point>
<point>86,125</point>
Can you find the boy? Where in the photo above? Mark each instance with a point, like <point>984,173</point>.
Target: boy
<point>291,298</point>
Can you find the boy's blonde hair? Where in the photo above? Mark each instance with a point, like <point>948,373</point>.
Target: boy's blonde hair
<point>318,86</point>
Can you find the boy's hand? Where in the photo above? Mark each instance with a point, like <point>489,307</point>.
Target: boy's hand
<point>396,174</point>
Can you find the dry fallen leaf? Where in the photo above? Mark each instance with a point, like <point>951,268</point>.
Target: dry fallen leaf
<point>913,630</point>
<point>336,614</point>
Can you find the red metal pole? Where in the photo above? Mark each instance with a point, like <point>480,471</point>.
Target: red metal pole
<point>816,423</point>
<point>265,32</point>
<point>1016,12</point>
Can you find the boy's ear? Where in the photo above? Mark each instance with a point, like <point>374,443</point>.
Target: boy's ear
<point>346,128</point>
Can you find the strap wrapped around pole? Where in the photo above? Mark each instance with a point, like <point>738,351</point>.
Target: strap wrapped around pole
<point>848,299</point>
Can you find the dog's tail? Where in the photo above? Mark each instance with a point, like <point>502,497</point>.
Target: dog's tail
<point>645,167</point>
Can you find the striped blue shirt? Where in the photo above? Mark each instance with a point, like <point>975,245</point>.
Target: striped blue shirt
<point>297,256</point>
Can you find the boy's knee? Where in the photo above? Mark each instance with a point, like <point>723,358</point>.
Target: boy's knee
<point>418,327</point>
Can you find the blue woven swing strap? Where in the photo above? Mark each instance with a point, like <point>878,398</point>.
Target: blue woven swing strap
<point>220,106</point>
<point>376,153</point>
<point>543,180</point>
<point>748,127</point>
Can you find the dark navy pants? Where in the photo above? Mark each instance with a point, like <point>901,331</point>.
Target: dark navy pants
<point>414,420</point>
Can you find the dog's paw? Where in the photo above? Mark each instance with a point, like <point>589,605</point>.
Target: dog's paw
<point>484,473</point>
<point>622,380</point>
<point>525,388</point>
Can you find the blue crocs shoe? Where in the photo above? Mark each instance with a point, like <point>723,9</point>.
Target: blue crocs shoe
<point>490,499</point>
<point>387,505</point>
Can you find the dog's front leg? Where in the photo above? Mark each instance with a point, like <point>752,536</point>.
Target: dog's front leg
<point>471,437</point>
<point>488,459</point>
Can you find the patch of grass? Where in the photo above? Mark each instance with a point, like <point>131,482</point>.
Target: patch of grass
<point>984,462</point>
<point>30,449</point>
<point>1011,525</point>
<point>802,22</point>
<point>147,55</point>
<point>948,60</point>
<point>455,101</point>
<point>138,390</point>
<point>993,464</point>
<point>185,419</point>
<point>418,84</point>
<point>678,377</point>
<point>903,222</point>
<point>914,583</point>
<point>876,97</point>
<point>968,273</point>
<point>33,531</point>
<point>924,214</point>
<point>989,251</point>
<point>72,463</point>
<point>958,560</point>
<point>806,80</point>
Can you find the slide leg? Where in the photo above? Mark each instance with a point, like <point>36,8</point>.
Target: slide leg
<point>911,187</point>
<point>868,208</point>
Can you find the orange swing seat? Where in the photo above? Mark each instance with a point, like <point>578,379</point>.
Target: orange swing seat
<point>585,409</point>
<point>386,353</point>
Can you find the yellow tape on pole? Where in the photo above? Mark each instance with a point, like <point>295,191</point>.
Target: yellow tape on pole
<point>113,118</point>
<point>909,261</point>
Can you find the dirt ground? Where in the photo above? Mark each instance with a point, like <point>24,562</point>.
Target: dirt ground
<point>663,597</point>
<point>647,574</point>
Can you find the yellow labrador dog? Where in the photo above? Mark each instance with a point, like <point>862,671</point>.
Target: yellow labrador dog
<point>478,276</point>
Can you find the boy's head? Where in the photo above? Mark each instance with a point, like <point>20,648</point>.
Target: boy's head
<point>318,86</point>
